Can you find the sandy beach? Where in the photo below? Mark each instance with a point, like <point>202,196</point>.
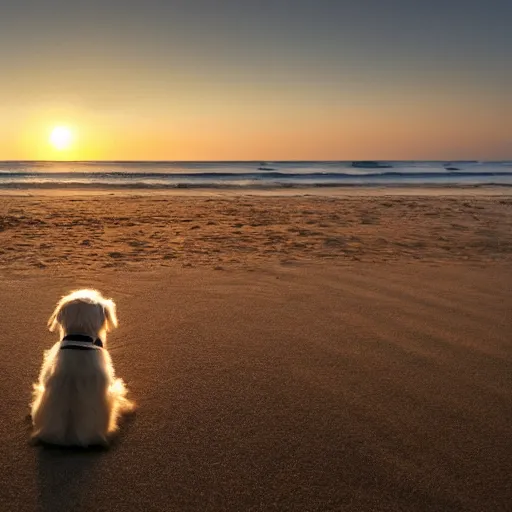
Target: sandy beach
<point>309,353</point>
<point>84,232</point>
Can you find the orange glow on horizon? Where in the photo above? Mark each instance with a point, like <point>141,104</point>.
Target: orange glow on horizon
<point>261,131</point>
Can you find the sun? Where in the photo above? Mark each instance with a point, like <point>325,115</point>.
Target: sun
<point>61,138</point>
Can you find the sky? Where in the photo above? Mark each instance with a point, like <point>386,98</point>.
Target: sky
<point>257,79</point>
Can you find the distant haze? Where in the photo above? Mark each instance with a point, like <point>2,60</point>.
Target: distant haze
<point>264,80</point>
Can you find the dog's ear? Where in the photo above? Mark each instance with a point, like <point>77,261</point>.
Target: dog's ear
<point>109,309</point>
<point>53,321</point>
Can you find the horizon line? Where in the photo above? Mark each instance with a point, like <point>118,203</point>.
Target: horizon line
<point>261,161</point>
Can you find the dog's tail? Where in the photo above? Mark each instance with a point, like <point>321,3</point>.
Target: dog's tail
<point>119,403</point>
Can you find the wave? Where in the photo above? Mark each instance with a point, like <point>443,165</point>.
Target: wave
<point>238,186</point>
<point>55,176</point>
<point>245,176</point>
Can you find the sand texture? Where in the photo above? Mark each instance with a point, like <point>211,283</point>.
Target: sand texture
<point>353,354</point>
<point>122,232</point>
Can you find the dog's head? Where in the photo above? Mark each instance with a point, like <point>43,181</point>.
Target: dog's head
<point>84,312</point>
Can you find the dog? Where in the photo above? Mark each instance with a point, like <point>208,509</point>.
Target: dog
<point>78,400</point>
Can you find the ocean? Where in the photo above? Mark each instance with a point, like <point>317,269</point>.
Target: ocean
<point>252,175</point>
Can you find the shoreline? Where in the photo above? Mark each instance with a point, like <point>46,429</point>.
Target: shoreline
<point>355,191</point>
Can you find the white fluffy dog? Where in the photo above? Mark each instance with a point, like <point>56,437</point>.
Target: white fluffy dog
<point>78,399</point>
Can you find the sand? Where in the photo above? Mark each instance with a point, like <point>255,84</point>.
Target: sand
<point>307,353</point>
<point>122,232</point>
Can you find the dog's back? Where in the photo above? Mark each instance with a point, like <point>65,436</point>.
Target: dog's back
<point>77,400</point>
<point>74,408</point>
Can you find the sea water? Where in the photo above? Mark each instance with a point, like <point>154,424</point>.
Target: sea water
<point>252,175</point>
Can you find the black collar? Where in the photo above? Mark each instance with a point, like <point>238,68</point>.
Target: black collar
<point>82,338</point>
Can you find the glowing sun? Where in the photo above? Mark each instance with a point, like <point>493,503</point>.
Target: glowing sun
<point>61,138</point>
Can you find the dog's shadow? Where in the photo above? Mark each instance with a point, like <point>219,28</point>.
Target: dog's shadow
<point>64,476</point>
<point>67,476</point>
